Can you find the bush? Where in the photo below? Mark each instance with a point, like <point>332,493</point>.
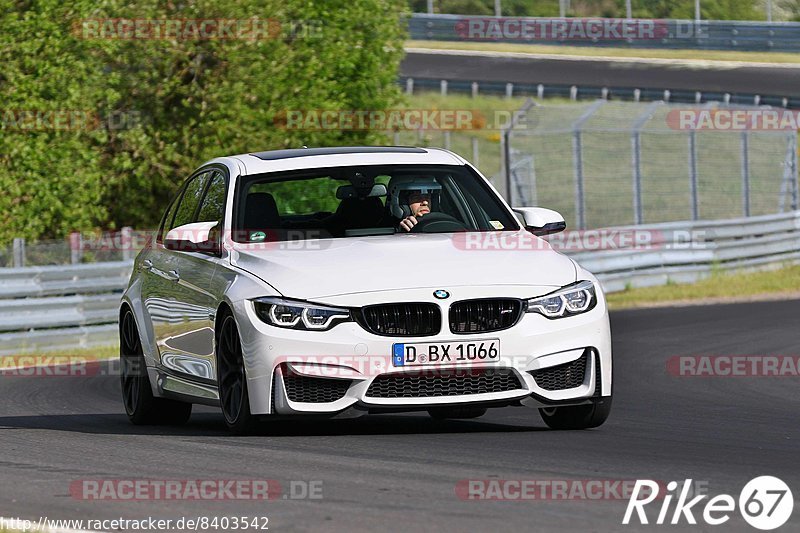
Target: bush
<point>181,102</point>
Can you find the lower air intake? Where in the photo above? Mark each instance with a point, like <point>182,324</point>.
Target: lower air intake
<point>566,376</point>
<point>438,385</point>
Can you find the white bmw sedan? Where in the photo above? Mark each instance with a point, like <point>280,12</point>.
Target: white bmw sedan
<point>335,282</point>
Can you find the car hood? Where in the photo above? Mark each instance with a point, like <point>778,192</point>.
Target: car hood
<point>331,267</point>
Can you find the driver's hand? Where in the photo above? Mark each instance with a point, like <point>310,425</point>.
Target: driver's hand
<point>408,223</point>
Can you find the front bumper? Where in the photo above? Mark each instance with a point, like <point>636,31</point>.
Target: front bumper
<point>542,362</point>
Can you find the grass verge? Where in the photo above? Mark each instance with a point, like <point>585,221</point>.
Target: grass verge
<point>720,287</point>
<point>589,51</point>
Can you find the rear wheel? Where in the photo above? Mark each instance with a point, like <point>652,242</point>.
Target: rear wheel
<point>141,406</point>
<point>231,379</point>
<point>577,416</point>
<point>443,413</point>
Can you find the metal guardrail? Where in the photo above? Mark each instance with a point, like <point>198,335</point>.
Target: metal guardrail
<point>685,252</point>
<point>592,92</point>
<point>60,308</point>
<point>675,34</point>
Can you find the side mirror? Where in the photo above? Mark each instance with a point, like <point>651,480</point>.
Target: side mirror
<point>540,221</point>
<point>194,237</point>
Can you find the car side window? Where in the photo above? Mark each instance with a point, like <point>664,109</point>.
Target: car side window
<point>187,207</point>
<point>213,205</point>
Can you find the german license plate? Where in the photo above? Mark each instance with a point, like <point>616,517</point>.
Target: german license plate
<point>437,353</point>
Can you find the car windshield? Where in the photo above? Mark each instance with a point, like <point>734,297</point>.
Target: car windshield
<point>346,202</point>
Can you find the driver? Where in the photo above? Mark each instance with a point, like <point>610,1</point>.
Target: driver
<point>411,198</point>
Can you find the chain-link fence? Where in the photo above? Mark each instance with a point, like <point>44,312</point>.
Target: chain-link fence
<point>617,163</point>
<point>76,248</point>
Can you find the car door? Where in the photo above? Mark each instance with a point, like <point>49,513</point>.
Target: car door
<point>178,299</point>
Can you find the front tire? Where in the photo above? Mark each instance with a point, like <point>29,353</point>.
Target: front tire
<point>577,416</point>
<point>141,406</point>
<point>232,380</point>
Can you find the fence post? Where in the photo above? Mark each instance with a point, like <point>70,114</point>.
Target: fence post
<point>475,153</point>
<point>577,162</point>
<point>693,175</point>
<point>505,147</point>
<point>794,172</point>
<point>75,247</point>
<point>636,155</point>
<point>127,243</point>
<point>474,88</point>
<point>19,252</point>
<point>446,139</point>
<point>443,87</point>
<point>746,173</point>
<point>789,180</point>
<point>409,85</point>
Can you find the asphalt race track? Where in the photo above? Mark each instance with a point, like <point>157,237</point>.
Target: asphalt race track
<point>765,80</point>
<point>399,472</point>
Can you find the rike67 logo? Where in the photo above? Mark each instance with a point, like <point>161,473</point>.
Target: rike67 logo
<point>765,503</point>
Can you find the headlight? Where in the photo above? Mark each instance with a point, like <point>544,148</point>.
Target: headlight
<point>567,301</point>
<point>299,315</point>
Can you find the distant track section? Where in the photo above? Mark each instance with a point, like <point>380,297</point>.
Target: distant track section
<point>743,81</point>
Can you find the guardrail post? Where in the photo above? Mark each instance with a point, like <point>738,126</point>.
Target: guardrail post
<point>746,173</point>
<point>75,247</point>
<point>126,238</point>
<point>693,175</point>
<point>19,252</point>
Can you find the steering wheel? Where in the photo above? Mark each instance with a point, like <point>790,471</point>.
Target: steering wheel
<point>437,223</point>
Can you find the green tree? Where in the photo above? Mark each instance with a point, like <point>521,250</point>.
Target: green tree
<point>191,99</point>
